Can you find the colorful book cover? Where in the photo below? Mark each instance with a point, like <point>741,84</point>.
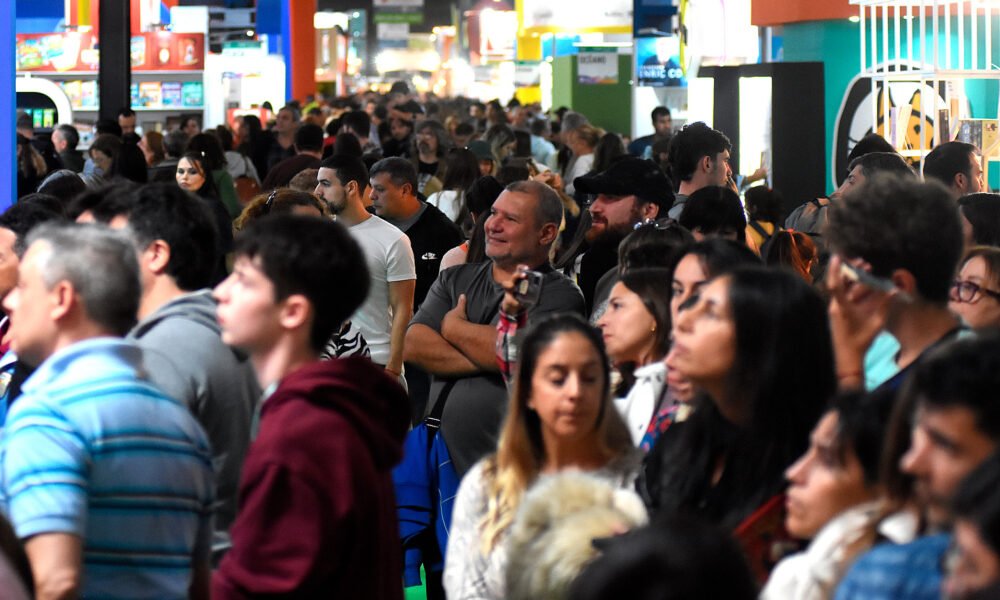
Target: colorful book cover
<point>193,94</point>
<point>74,91</point>
<point>150,94</point>
<point>171,91</point>
<point>88,94</point>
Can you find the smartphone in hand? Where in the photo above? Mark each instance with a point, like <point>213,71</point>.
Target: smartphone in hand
<point>528,289</point>
<point>858,275</point>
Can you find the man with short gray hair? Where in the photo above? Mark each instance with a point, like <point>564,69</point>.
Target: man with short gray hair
<point>453,335</point>
<point>65,138</point>
<point>107,481</point>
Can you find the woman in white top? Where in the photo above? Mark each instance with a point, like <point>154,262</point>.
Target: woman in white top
<point>560,417</point>
<point>461,171</point>
<point>833,498</point>
<point>636,331</point>
<point>581,141</point>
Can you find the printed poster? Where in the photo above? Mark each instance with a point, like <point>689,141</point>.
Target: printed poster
<point>597,67</point>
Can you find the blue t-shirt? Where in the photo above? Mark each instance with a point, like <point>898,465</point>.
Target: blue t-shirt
<point>94,450</point>
<point>880,360</point>
<point>896,571</point>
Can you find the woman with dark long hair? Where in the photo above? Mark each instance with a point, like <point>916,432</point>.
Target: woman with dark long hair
<point>756,342</point>
<point>608,150</point>
<point>460,172</point>
<point>636,330</point>
<point>214,159</point>
<point>560,416</point>
<point>193,176</point>
<point>254,142</point>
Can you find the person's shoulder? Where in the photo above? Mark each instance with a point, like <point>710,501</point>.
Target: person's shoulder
<point>556,279</point>
<point>433,216</point>
<point>461,277</point>
<point>889,570</point>
<point>920,550</point>
<point>476,478</point>
<point>375,223</point>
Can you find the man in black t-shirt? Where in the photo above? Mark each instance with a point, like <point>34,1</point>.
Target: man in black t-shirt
<point>431,233</point>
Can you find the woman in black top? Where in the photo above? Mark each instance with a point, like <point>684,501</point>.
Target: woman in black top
<point>756,342</point>
<point>193,176</point>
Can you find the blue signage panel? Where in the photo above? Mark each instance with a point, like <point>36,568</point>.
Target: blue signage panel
<point>657,62</point>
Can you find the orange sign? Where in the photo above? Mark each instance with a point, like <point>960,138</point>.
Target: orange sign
<point>779,12</point>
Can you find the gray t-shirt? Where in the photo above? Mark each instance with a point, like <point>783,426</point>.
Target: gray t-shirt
<point>476,404</point>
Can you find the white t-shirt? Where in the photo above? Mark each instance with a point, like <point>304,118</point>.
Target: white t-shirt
<point>390,259</point>
<point>581,167</point>
<point>447,201</point>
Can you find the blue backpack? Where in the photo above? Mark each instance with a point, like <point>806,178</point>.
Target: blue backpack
<point>426,484</point>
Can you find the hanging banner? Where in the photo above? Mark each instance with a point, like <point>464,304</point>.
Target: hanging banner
<point>76,51</point>
<point>527,73</point>
<point>610,16</point>
<point>597,66</point>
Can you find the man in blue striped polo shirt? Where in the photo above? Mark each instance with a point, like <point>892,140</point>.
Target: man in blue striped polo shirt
<point>106,480</point>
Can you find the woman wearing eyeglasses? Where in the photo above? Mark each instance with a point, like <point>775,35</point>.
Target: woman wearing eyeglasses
<point>975,295</point>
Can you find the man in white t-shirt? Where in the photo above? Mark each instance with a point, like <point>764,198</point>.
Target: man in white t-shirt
<point>383,317</point>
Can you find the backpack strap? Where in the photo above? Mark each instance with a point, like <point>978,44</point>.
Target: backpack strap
<point>433,420</point>
<point>760,229</point>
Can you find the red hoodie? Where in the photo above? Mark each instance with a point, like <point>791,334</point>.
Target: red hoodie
<point>317,516</point>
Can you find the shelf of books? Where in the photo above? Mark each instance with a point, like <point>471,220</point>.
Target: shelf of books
<point>932,49</point>
<point>167,71</point>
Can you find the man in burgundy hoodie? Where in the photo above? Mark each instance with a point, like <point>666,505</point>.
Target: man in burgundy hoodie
<point>316,504</point>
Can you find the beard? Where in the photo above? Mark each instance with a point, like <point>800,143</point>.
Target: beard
<point>602,232</point>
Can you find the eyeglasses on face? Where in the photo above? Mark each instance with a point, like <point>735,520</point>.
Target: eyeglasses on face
<point>969,292</point>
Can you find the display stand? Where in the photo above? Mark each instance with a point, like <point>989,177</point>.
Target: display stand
<point>948,42</point>
<point>167,73</point>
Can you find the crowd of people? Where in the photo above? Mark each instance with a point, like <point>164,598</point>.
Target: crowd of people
<point>387,341</point>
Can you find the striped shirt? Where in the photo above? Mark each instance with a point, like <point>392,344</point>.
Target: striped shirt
<point>92,449</point>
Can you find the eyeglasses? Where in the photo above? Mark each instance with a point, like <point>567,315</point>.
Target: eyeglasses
<point>966,291</point>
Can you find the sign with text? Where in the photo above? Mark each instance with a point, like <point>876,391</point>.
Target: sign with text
<point>393,31</point>
<point>527,73</point>
<point>412,18</point>
<point>397,3</point>
<point>658,62</point>
<point>572,15</point>
<point>597,66</point>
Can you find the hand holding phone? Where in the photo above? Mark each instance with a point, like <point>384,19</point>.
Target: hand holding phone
<point>859,304</point>
<point>527,287</point>
<point>856,274</point>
